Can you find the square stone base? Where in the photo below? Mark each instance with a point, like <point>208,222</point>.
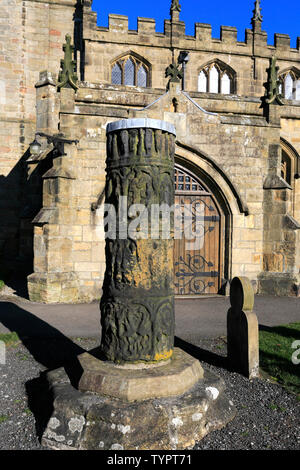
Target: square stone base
<point>279,284</point>
<point>91,421</point>
<point>57,287</point>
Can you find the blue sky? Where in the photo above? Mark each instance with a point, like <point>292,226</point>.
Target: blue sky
<point>278,16</point>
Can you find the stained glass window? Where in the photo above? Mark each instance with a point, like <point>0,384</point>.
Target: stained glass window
<point>142,77</point>
<point>116,75</point>
<point>131,71</point>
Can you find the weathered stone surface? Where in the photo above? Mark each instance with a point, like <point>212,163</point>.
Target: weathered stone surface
<point>89,421</point>
<point>279,284</point>
<point>241,294</point>
<point>52,287</point>
<point>141,381</point>
<point>137,305</point>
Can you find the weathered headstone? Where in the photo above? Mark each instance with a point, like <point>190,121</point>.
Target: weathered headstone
<point>242,329</point>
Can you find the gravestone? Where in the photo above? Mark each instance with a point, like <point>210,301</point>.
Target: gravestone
<point>242,329</point>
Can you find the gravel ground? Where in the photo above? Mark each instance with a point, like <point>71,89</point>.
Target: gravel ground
<point>267,415</point>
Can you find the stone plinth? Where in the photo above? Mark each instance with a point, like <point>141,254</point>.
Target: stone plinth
<point>53,287</point>
<point>90,421</point>
<point>279,284</point>
<point>140,382</point>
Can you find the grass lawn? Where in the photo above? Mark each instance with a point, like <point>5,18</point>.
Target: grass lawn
<point>1,284</point>
<point>10,339</point>
<point>275,355</point>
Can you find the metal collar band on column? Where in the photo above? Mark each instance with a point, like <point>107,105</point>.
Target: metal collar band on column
<point>141,122</point>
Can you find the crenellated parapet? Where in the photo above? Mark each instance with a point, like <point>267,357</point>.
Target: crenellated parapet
<point>146,35</point>
<point>248,58</point>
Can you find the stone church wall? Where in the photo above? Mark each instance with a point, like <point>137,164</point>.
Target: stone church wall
<point>228,136</point>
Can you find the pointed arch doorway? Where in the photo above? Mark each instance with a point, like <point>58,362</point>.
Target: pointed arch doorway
<point>198,262</point>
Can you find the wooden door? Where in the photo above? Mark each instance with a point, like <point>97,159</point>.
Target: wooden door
<point>197,267</point>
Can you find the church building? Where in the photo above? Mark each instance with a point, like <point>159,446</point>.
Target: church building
<point>236,110</point>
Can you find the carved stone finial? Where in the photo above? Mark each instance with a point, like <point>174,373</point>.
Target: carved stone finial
<point>257,18</point>
<point>67,76</point>
<point>272,94</point>
<point>175,6</point>
<point>174,72</point>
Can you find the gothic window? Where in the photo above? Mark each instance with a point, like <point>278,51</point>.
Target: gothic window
<point>289,85</point>
<point>142,77</point>
<point>130,70</point>
<point>286,165</point>
<point>290,165</point>
<point>216,77</point>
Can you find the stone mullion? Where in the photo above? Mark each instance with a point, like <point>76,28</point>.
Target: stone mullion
<point>220,74</point>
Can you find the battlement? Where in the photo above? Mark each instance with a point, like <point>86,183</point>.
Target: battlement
<point>282,41</point>
<point>228,34</point>
<point>118,23</point>
<point>174,31</point>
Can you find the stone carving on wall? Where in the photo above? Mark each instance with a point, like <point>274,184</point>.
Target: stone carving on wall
<point>67,76</point>
<point>272,95</point>
<point>174,73</point>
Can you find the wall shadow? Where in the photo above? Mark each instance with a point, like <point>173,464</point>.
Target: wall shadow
<point>11,203</point>
<point>21,198</point>
<point>19,194</point>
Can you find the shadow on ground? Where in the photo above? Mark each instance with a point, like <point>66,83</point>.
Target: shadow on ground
<point>19,286</point>
<point>50,348</point>
<point>202,355</point>
<point>281,330</point>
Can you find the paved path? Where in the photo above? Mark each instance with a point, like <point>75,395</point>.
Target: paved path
<point>197,318</point>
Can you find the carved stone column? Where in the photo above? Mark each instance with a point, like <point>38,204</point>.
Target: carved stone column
<point>144,396</point>
<point>137,306</point>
